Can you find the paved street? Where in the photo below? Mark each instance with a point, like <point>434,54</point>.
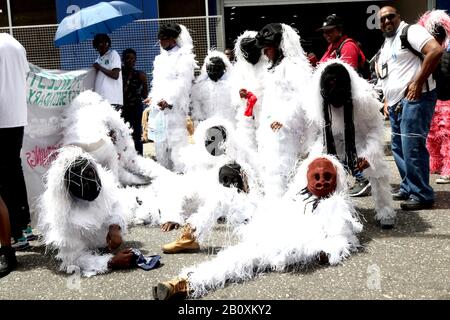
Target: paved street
<point>411,261</point>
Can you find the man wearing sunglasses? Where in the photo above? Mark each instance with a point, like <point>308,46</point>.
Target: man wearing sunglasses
<point>410,98</point>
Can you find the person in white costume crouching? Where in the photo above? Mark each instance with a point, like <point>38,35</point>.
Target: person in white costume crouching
<point>344,107</point>
<point>220,183</point>
<point>92,124</point>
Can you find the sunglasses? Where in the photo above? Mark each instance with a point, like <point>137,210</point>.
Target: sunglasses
<point>389,17</point>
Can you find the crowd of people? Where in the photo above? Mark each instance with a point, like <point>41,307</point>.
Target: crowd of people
<point>263,135</point>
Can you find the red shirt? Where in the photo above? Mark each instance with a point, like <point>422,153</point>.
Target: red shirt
<point>349,52</point>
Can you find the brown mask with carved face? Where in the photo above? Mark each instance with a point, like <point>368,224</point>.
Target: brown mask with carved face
<point>321,177</point>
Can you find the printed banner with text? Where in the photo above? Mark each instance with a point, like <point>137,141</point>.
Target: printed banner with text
<point>49,92</point>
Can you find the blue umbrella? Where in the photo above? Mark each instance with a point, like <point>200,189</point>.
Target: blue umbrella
<point>103,17</point>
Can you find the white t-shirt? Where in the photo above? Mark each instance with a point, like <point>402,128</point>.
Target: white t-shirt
<point>109,88</point>
<point>13,82</point>
<point>402,64</point>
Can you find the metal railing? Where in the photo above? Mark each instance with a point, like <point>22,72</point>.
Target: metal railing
<point>141,35</point>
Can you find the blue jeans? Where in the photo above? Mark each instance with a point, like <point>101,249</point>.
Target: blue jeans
<point>410,127</point>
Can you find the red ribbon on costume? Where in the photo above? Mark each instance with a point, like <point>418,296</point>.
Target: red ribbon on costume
<point>251,100</point>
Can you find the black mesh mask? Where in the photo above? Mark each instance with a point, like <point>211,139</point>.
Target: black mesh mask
<point>215,68</point>
<point>82,180</point>
<point>335,85</point>
<point>251,50</point>
<point>230,175</point>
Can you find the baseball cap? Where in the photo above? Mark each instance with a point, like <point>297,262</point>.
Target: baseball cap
<point>330,22</point>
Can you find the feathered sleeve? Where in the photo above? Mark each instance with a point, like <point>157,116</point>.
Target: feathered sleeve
<point>370,121</point>
<point>90,263</point>
<point>290,79</point>
<point>180,87</point>
<point>198,113</point>
<point>340,225</point>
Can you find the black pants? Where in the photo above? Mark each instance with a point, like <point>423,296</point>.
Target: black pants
<point>12,182</point>
<point>133,115</point>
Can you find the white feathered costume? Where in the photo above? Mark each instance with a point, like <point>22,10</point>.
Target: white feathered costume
<point>173,74</point>
<point>213,98</point>
<point>368,123</point>
<point>77,228</point>
<point>250,77</point>
<point>197,196</point>
<point>285,88</point>
<point>283,233</point>
<point>88,122</point>
<point>216,200</point>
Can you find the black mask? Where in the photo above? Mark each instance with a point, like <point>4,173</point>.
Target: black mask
<point>230,175</point>
<point>250,50</point>
<point>215,137</point>
<point>82,180</point>
<point>335,85</point>
<point>215,68</point>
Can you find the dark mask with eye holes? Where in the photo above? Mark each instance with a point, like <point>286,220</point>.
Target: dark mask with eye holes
<point>230,175</point>
<point>82,180</point>
<point>215,68</point>
<point>251,50</point>
<point>321,177</point>
<point>335,85</point>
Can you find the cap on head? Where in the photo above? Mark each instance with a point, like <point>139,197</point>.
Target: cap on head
<point>270,35</point>
<point>330,22</point>
<point>169,31</point>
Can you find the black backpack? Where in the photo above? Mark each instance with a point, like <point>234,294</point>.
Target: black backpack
<point>363,65</point>
<point>440,74</point>
<point>442,77</point>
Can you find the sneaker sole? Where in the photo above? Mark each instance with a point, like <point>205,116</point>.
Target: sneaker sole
<point>193,250</point>
<point>22,247</point>
<point>366,191</point>
<point>160,292</point>
<point>442,182</point>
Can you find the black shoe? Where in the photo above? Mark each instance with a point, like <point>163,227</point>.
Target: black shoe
<point>8,261</point>
<point>361,189</point>
<point>399,196</point>
<point>413,204</point>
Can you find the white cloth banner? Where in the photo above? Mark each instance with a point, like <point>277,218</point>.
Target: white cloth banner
<point>49,92</point>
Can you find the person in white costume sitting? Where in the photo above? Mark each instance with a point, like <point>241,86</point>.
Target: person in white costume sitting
<point>80,215</point>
